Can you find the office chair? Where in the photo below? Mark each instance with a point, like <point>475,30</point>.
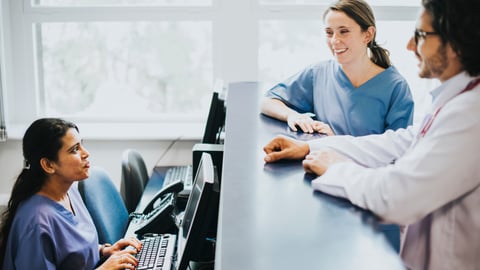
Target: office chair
<point>105,205</point>
<point>134,178</point>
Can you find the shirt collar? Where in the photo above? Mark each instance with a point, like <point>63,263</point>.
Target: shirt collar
<point>449,89</point>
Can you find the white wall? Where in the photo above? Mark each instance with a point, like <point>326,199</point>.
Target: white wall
<point>106,154</point>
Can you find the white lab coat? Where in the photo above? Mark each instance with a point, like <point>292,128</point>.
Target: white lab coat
<point>430,184</point>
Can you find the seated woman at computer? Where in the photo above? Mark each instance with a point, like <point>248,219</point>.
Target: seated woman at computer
<point>46,224</point>
<point>352,94</point>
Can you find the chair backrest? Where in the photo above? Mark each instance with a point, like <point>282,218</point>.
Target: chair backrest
<point>105,205</point>
<point>134,178</point>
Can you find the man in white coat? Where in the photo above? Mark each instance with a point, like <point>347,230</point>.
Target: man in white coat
<point>425,177</point>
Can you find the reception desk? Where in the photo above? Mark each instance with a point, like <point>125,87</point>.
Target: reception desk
<point>271,218</point>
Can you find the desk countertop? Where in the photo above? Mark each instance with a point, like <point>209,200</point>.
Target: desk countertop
<point>270,217</point>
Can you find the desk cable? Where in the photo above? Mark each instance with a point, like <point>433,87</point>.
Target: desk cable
<point>168,149</point>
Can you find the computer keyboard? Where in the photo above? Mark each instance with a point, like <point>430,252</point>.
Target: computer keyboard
<point>180,173</point>
<point>157,253</point>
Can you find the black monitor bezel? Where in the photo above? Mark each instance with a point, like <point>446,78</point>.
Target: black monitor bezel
<point>215,120</point>
<point>205,213</point>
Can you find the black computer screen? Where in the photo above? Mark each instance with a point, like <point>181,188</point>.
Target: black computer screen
<point>200,219</point>
<point>215,121</point>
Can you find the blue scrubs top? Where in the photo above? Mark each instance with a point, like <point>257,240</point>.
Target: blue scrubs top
<point>45,235</point>
<point>384,102</point>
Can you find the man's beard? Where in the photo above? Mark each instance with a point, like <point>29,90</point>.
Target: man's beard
<point>435,65</point>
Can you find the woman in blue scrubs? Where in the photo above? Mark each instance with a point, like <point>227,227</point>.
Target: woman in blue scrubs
<point>46,224</point>
<point>357,93</point>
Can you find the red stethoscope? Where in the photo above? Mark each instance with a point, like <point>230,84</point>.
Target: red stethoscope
<point>428,123</point>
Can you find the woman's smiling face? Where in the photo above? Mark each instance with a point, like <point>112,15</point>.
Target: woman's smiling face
<point>345,38</point>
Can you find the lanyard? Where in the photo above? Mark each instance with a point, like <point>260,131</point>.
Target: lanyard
<point>429,122</point>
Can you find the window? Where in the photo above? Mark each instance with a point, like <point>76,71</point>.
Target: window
<point>326,2</point>
<point>90,3</point>
<point>141,69</point>
<point>144,61</point>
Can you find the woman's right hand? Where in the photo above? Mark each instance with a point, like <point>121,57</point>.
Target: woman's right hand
<point>120,260</point>
<point>121,245</point>
<point>301,120</point>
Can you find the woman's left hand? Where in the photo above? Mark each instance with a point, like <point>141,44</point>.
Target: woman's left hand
<point>121,245</point>
<point>323,128</point>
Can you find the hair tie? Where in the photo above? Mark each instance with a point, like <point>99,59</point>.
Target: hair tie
<point>26,164</point>
<point>372,44</point>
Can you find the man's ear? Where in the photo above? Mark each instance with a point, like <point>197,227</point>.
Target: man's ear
<point>47,165</point>
<point>451,52</point>
<point>453,58</point>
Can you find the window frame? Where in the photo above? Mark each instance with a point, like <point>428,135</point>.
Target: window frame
<point>235,29</point>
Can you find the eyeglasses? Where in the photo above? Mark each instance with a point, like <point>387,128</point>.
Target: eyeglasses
<point>418,34</point>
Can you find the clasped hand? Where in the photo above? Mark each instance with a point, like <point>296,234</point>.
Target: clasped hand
<point>120,257</point>
<point>307,124</point>
<point>316,162</point>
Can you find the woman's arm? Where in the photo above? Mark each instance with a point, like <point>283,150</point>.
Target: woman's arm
<point>277,109</point>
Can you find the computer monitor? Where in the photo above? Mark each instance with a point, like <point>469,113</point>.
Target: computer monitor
<point>199,225</point>
<point>215,120</point>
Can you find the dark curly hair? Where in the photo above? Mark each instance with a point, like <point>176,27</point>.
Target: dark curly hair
<point>457,23</point>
